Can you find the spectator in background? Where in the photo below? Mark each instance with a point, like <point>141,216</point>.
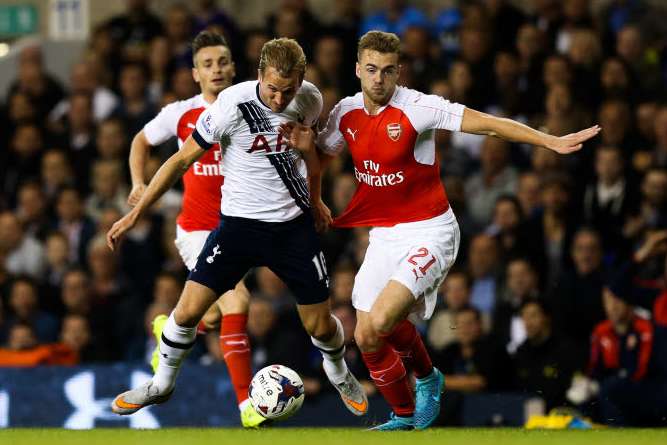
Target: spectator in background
<point>23,253</point>
<point>84,79</point>
<point>659,120</point>
<point>615,115</point>
<point>608,200</point>
<point>528,193</point>
<point>111,140</point>
<point>23,350</point>
<point>33,80</point>
<point>455,291</point>
<point>484,267</point>
<point>31,210</point>
<point>530,47</point>
<point>329,61</point>
<point>160,67</point>
<point>507,228</point>
<point>543,363</point>
<point>182,84</point>
<point>56,173</point>
<point>617,80</point>
<point>473,364</point>
<point>73,222</point>
<point>208,14</point>
<point>21,161</point>
<point>621,354</point>
<point>506,20</point>
<point>417,51</point>
<point>247,65</point>
<point>496,177</point>
<point>132,30</point>
<point>551,231</point>
<point>652,209</point>
<point>77,134</point>
<point>395,17</point>
<point>109,189</point>
<point>20,109</point>
<point>342,283</point>
<point>507,96</point>
<point>346,25</point>
<point>178,26</point>
<point>630,47</point>
<point>25,307</point>
<point>135,108</point>
<point>521,284</point>
<point>57,265</point>
<point>75,334</point>
<point>577,298</point>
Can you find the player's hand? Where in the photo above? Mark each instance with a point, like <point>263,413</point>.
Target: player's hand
<point>136,194</point>
<point>298,136</point>
<point>119,228</point>
<point>321,215</point>
<point>571,142</point>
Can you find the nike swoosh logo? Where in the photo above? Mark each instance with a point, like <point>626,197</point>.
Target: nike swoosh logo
<point>125,405</point>
<point>362,407</point>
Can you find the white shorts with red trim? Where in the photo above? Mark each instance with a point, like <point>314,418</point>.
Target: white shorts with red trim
<point>418,255</point>
<point>189,244</point>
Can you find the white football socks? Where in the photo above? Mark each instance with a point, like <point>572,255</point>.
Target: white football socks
<point>333,351</point>
<point>175,343</point>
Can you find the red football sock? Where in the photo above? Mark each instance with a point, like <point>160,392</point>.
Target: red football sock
<point>388,373</point>
<point>235,347</point>
<point>409,345</point>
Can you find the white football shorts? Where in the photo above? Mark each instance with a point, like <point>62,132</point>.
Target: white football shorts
<point>418,255</point>
<point>189,244</point>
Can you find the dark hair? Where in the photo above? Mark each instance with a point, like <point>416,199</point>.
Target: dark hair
<point>469,308</point>
<point>544,307</point>
<point>205,39</point>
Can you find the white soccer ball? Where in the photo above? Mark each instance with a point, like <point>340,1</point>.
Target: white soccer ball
<point>276,392</point>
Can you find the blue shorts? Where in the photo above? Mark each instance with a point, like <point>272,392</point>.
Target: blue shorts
<point>290,249</point>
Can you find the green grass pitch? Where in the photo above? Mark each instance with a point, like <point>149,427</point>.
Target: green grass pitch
<point>322,436</point>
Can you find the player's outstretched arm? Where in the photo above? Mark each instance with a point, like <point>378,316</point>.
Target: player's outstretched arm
<point>139,150</point>
<point>481,123</point>
<point>166,176</point>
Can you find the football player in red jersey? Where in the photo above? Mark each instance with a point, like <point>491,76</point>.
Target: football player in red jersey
<point>415,237</point>
<point>200,213</point>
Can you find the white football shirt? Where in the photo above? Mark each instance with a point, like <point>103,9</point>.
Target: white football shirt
<point>264,178</point>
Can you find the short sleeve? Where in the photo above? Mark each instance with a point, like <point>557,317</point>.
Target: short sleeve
<point>163,126</point>
<point>430,112</point>
<point>214,122</point>
<point>330,140</point>
<point>313,107</point>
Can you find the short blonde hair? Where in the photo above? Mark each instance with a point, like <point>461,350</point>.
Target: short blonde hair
<point>285,55</point>
<point>380,41</point>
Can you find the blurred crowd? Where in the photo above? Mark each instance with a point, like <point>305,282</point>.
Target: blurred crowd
<point>561,276</point>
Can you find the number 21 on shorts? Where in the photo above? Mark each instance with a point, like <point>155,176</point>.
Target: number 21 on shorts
<point>422,260</point>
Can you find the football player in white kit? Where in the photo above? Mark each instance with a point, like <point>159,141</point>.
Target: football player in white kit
<point>213,69</point>
<point>414,239</point>
<point>266,219</point>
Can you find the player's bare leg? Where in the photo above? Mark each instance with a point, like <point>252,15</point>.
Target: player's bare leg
<point>326,332</point>
<point>177,339</point>
<point>385,331</point>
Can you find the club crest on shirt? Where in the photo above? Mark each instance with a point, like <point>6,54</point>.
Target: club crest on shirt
<point>394,131</point>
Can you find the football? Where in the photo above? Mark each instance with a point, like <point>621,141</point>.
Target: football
<point>276,392</point>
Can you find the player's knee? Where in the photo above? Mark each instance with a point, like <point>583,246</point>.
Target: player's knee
<point>382,324</point>
<point>185,316</point>
<point>233,302</point>
<point>366,339</point>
